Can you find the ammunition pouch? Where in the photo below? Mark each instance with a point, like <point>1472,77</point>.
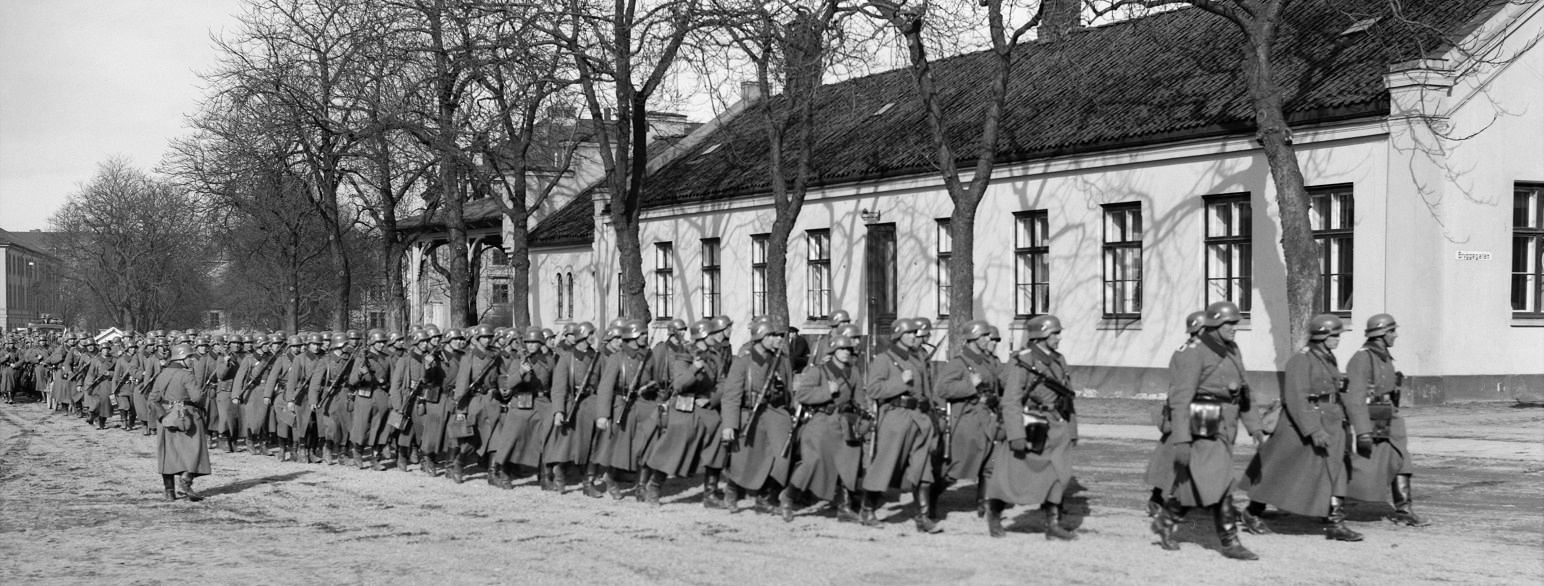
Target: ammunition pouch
<point>649,392</point>
<point>461,426</point>
<point>364,392</point>
<point>523,401</point>
<point>1382,416</point>
<point>685,403</point>
<point>1037,427</point>
<point>856,425</point>
<point>1206,417</point>
<point>396,419</point>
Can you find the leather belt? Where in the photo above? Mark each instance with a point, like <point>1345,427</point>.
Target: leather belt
<point>904,402</point>
<point>1316,399</point>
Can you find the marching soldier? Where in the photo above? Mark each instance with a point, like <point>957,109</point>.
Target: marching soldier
<point>905,439</point>
<point>277,391</point>
<point>1207,396</point>
<point>1034,464</point>
<point>125,371</point>
<point>574,381</point>
<point>370,380</point>
<point>10,364</point>
<point>182,451</point>
<point>831,440</point>
<point>666,352</point>
<point>327,379</point>
<point>252,392</point>
<point>527,418</point>
<point>690,438</point>
<point>98,387</point>
<point>1160,467</point>
<point>1302,467</point>
<point>822,350</point>
<point>1373,382</point>
<point>628,399</point>
<point>758,419</point>
<point>440,365</point>
<point>476,413</point>
<point>970,387</point>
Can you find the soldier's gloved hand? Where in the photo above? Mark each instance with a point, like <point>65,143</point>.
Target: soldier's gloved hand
<point>1018,446</point>
<point>907,376</point>
<point>699,364</point>
<point>267,401</point>
<point>975,380</point>
<point>1182,454</point>
<point>558,419</point>
<point>1320,439</point>
<point>1258,437</point>
<point>603,423</point>
<point>1364,445</point>
<point>290,406</point>
<point>832,386</point>
<point>727,435</point>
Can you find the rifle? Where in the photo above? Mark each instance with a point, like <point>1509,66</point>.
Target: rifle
<point>476,383</point>
<point>761,398</point>
<point>634,390</point>
<point>1064,395</point>
<point>337,384</point>
<point>246,390</point>
<point>571,405</point>
<point>1399,388</point>
<point>399,417</point>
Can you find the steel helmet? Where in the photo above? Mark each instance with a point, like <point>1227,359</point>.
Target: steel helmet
<point>767,327</point>
<point>480,331</point>
<point>276,338</point>
<point>571,329</point>
<point>841,316</point>
<point>701,329</point>
<point>202,341</point>
<point>433,331</point>
<point>455,334</point>
<point>721,323</point>
<point>1041,327</point>
<point>397,337</point>
<point>975,329</point>
<point>995,334</point>
<point>414,337</point>
<point>500,332</point>
<point>847,330</point>
<point>1222,312</point>
<point>315,339</point>
<point>296,340</point>
<point>676,325</point>
<point>1379,325</point>
<point>547,334</point>
<point>1195,321</point>
<point>924,325</point>
<point>1323,326</point>
<point>902,327</point>
<point>339,340</point>
<point>128,343</point>
<point>839,342</point>
<point>634,329</point>
<point>620,322</point>
<point>584,330</point>
<point>355,335</point>
<point>612,333</point>
<point>378,336</point>
<point>181,352</point>
<point>533,334</point>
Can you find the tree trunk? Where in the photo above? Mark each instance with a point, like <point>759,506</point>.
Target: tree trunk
<point>777,265</point>
<point>1297,243</point>
<point>519,251</point>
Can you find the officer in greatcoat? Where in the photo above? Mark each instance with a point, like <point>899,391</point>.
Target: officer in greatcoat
<point>1034,464</point>
<point>1207,397</point>
<point>371,384</point>
<point>574,380</point>
<point>627,399</point>
<point>476,411</point>
<point>182,450</point>
<point>1384,475</point>
<point>969,386</point>
<point>757,417</point>
<point>1160,466</point>
<point>905,439</point>
<point>527,418</point>
<point>830,448</point>
<point>690,440</point>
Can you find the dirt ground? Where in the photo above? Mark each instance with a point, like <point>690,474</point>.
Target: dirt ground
<point>83,506</point>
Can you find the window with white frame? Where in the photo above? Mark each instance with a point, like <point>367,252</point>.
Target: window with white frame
<point>1229,264</point>
<point>818,300</point>
<point>1332,216</point>
<point>712,288</point>
<point>1123,260</point>
<point>945,252</point>
<point>1528,250</point>
<point>759,274</point>
<point>1032,265</point>
<point>664,279</point>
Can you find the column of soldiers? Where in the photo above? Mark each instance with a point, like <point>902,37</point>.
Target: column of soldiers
<point>602,408</point>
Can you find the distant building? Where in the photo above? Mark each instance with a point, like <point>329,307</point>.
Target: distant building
<point>30,279</point>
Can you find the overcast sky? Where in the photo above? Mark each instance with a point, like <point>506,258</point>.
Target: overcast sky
<point>82,81</point>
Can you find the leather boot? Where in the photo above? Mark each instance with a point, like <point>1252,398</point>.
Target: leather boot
<point>1227,532</point>
<point>651,487</point>
<point>764,503</point>
<point>169,481</point>
<point>924,510</point>
<point>731,497</point>
<point>640,489</point>
<point>785,504</point>
<point>230,444</point>
<point>327,454</point>
<point>867,516</point>
<point>612,487</point>
<point>148,430</point>
<point>1336,522</point>
<point>935,491</point>
<point>843,505</point>
<point>402,460</point>
<point>185,482</point>
<point>1403,513</point>
<point>454,472</point>
<point>591,478</point>
<point>378,459</point>
<point>559,479</point>
<point>994,518</point>
<point>505,478</point>
<point>1250,519</point>
<point>1164,523</point>
<point>1053,527</point>
<point>1155,503</point>
<point>712,497</point>
<point>981,506</point>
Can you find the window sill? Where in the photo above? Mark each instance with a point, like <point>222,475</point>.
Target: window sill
<point>1119,324</point>
<point>1527,321</point>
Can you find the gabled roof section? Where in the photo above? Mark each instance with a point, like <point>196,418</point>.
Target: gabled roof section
<point>1168,77</point>
<point>36,241</point>
<point>571,225</point>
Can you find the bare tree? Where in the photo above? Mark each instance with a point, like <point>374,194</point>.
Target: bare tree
<point>131,242</point>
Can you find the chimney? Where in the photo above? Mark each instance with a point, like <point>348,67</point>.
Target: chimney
<point>600,197</point>
<point>665,125</point>
<point>1058,18</point>
<point>750,91</point>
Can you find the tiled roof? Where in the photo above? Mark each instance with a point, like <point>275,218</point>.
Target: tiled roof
<point>1167,77</point>
<point>572,225</point>
<point>36,241</point>
<point>478,213</point>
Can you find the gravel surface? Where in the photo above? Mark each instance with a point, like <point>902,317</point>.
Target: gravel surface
<point>81,506</point>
